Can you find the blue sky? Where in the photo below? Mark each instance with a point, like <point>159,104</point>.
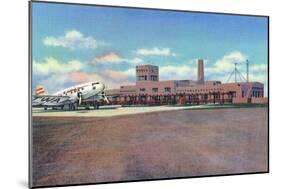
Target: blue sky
<point>74,43</point>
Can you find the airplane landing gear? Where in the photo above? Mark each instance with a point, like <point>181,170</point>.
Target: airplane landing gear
<point>73,106</point>
<point>87,107</point>
<point>96,105</point>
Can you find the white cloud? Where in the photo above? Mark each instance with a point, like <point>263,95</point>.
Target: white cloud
<point>155,52</point>
<point>53,66</point>
<point>223,67</point>
<point>72,40</point>
<point>258,68</point>
<point>226,64</point>
<point>130,72</point>
<point>135,60</point>
<point>258,77</point>
<point>172,72</point>
<point>55,75</point>
<point>55,82</point>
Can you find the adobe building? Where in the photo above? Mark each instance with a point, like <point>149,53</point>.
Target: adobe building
<point>149,90</point>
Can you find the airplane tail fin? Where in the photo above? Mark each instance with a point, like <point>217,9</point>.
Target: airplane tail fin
<point>40,91</point>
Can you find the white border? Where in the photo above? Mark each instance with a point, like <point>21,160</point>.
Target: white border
<point>14,85</point>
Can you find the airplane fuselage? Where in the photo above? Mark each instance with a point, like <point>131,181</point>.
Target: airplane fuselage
<point>86,90</point>
<point>87,94</point>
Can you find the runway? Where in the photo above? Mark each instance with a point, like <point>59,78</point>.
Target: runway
<point>107,111</point>
<point>118,110</point>
<point>164,144</point>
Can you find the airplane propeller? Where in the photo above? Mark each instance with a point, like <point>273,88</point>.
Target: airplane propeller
<point>80,98</point>
<point>106,99</point>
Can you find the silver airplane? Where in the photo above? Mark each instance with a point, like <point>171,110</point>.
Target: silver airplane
<point>86,95</point>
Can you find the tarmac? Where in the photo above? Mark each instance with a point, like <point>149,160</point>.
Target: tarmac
<point>163,144</point>
<point>108,111</point>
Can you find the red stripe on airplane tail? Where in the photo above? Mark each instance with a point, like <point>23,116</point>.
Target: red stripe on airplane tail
<point>39,89</point>
<point>40,92</point>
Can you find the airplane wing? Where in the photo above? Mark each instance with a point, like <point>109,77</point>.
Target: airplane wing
<point>50,100</point>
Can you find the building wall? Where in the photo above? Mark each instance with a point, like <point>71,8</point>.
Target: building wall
<point>112,92</point>
<point>200,89</point>
<point>128,90</point>
<point>259,100</point>
<point>149,89</point>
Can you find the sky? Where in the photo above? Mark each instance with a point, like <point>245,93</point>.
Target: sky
<point>72,44</point>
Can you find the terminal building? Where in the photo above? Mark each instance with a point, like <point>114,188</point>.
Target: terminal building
<point>149,90</point>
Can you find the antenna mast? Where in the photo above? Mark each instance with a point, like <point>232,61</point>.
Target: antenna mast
<point>247,66</point>
<point>235,71</point>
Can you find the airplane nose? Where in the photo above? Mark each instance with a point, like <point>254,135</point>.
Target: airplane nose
<point>100,87</point>
<point>103,86</point>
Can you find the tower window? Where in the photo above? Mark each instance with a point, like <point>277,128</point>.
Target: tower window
<point>154,78</point>
<point>142,77</point>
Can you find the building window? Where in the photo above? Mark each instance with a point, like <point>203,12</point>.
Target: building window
<point>167,89</point>
<point>154,78</point>
<point>155,90</point>
<point>142,89</point>
<point>142,77</point>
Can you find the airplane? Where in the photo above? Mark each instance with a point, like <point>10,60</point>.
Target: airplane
<point>85,94</point>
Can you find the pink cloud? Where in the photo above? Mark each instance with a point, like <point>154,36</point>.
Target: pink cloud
<point>112,79</point>
<point>110,57</point>
<point>81,77</point>
<point>115,75</point>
